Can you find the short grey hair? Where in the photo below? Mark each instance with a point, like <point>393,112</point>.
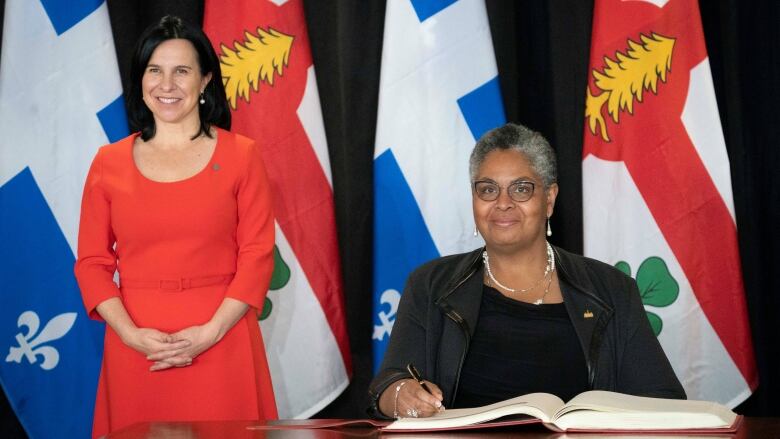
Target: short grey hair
<point>519,138</point>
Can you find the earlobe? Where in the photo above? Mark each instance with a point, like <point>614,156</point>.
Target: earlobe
<point>205,82</point>
<point>552,194</point>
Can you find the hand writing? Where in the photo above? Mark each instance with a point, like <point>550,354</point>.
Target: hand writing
<point>414,401</point>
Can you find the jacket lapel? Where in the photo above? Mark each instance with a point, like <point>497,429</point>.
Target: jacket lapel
<point>588,313</point>
<point>459,303</point>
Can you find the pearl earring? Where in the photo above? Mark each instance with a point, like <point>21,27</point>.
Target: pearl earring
<point>549,230</point>
<point>202,99</point>
<point>476,232</point>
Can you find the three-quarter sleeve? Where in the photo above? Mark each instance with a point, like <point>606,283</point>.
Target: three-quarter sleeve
<point>96,261</point>
<point>254,234</point>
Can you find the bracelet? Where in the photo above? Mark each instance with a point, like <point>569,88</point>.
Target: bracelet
<point>395,401</point>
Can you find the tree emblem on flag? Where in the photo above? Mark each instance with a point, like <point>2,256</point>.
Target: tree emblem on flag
<point>624,80</point>
<point>253,62</point>
<point>30,343</point>
<point>657,287</point>
<point>279,279</point>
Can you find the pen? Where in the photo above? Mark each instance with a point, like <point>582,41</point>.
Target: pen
<point>416,375</point>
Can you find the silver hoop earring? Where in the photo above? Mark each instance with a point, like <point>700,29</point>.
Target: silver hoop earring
<point>549,230</point>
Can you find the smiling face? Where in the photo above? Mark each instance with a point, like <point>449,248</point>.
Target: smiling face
<point>504,223</point>
<point>172,83</point>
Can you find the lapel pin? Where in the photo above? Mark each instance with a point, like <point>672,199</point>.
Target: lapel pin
<point>587,314</point>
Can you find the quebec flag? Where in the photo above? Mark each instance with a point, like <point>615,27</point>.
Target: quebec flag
<point>438,93</point>
<point>60,99</point>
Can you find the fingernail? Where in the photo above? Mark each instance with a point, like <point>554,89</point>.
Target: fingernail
<point>438,404</point>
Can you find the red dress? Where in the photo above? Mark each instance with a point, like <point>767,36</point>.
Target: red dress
<point>180,248</point>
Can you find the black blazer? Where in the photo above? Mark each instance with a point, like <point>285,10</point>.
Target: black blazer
<point>440,306</point>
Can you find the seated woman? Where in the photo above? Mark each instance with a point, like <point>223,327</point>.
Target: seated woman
<point>519,315</point>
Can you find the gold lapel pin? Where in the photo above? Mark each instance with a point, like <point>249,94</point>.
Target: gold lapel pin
<point>587,314</point>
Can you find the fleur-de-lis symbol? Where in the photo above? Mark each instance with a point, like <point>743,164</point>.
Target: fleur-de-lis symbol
<point>29,342</point>
<point>390,297</point>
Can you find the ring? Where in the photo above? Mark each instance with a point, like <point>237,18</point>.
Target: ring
<point>412,412</point>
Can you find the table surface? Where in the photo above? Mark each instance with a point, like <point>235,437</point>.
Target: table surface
<point>751,428</point>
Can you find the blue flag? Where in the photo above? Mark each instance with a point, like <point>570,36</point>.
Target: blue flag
<point>438,93</point>
<point>60,99</point>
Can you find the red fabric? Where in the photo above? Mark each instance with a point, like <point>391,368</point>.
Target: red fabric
<point>217,222</point>
<point>661,158</point>
<point>304,209</point>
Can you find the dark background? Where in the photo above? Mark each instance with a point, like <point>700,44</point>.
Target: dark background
<point>542,50</point>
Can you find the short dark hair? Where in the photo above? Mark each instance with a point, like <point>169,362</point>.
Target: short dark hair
<point>214,112</point>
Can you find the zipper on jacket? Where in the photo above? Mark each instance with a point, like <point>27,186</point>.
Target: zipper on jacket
<point>592,356</point>
<point>462,324</point>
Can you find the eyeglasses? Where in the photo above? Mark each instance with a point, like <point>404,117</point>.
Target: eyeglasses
<point>518,191</point>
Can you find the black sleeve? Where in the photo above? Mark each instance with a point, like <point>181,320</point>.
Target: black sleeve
<point>644,370</point>
<point>407,341</point>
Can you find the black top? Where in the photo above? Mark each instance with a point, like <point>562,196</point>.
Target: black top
<point>521,348</point>
<point>439,310</point>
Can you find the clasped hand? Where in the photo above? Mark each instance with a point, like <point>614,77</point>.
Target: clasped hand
<point>173,350</point>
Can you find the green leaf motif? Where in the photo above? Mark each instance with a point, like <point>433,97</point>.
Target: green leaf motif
<point>267,307</point>
<point>281,274</point>
<point>624,267</point>
<point>655,322</point>
<point>656,285</point>
<point>279,278</point>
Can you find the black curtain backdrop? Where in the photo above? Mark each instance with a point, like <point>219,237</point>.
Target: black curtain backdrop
<point>542,49</point>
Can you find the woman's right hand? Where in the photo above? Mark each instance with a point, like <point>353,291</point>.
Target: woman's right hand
<point>149,341</point>
<point>411,400</point>
<point>146,341</point>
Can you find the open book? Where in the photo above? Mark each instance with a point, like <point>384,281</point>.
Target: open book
<point>593,411</point>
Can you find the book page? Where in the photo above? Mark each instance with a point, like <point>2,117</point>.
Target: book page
<point>538,405</point>
<point>601,409</point>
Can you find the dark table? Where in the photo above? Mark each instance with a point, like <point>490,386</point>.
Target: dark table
<point>751,428</point>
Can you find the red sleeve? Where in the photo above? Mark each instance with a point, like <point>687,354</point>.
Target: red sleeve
<point>254,235</point>
<point>96,261</point>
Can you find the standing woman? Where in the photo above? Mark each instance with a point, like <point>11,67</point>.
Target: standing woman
<point>182,209</point>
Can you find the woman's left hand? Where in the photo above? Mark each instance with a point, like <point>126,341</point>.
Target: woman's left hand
<point>201,338</point>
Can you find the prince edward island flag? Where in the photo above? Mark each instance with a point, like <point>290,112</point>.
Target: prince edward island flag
<point>438,93</point>
<point>60,99</point>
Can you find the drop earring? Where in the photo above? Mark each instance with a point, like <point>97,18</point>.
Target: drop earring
<point>202,99</point>
<point>476,232</point>
<point>549,230</point>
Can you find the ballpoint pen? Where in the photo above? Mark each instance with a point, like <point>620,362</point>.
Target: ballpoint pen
<point>416,375</point>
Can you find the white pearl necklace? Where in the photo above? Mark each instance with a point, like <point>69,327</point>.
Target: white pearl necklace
<point>547,272</point>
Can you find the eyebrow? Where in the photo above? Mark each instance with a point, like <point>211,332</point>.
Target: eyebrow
<point>185,66</point>
<point>517,180</point>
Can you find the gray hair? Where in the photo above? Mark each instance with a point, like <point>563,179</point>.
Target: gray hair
<point>519,138</point>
